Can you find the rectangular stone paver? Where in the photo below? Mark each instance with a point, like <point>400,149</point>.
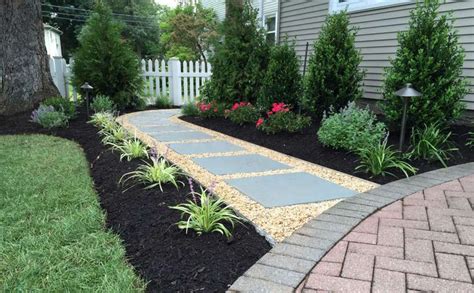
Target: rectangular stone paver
<point>239,164</point>
<point>358,266</point>
<point>180,136</point>
<point>164,128</point>
<point>453,267</point>
<point>196,148</point>
<point>406,266</point>
<point>425,284</point>
<point>337,284</point>
<point>289,189</point>
<point>388,281</point>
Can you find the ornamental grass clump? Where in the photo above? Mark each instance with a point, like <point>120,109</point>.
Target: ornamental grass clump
<point>101,119</point>
<point>431,143</point>
<point>378,159</point>
<point>49,118</point>
<point>190,109</point>
<point>351,129</point>
<point>102,103</point>
<point>206,214</point>
<point>242,113</point>
<point>281,119</point>
<point>130,149</point>
<point>113,133</point>
<point>154,174</point>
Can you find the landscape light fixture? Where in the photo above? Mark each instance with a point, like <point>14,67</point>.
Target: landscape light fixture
<point>406,93</point>
<point>87,88</point>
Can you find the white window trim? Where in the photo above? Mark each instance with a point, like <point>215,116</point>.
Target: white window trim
<point>276,26</point>
<point>357,5</point>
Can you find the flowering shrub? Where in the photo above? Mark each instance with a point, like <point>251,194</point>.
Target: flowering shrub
<point>48,117</point>
<point>280,119</point>
<point>209,110</point>
<point>242,113</point>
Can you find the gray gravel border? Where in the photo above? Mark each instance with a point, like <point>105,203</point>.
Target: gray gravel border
<point>287,264</point>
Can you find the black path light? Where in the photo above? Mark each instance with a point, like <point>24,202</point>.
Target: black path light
<point>87,88</point>
<point>407,92</point>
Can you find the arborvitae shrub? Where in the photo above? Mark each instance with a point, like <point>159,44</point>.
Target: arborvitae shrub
<point>282,82</point>
<point>430,58</point>
<point>333,78</point>
<point>105,60</point>
<point>240,58</point>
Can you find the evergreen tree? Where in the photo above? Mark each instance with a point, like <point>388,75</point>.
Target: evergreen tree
<point>240,59</point>
<point>430,58</point>
<point>334,78</point>
<point>105,60</point>
<point>282,82</point>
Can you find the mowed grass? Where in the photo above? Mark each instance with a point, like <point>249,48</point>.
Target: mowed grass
<point>52,232</point>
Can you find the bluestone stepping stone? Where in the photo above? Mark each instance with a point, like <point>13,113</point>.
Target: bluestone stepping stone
<point>196,148</point>
<point>239,164</point>
<point>289,189</point>
<point>164,128</point>
<point>180,136</point>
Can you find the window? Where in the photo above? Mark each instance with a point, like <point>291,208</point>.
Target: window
<point>271,29</point>
<point>355,5</point>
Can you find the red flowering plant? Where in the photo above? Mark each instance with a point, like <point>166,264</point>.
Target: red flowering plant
<point>242,112</point>
<point>209,109</point>
<point>281,119</point>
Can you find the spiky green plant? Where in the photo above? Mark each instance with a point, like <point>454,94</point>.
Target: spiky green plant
<point>101,119</point>
<point>470,139</point>
<point>130,149</point>
<point>113,133</point>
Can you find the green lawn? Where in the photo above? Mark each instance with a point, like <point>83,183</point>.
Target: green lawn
<point>52,235</point>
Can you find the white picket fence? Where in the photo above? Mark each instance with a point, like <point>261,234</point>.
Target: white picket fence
<point>180,81</point>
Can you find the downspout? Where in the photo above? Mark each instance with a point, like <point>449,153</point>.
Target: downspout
<point>262,13</point>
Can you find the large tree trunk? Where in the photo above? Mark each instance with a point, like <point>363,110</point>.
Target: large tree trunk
<point>24,64</point>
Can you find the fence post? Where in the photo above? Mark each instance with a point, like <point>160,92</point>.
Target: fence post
<point>174,66</point>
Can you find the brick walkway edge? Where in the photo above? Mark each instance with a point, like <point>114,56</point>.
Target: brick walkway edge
<point>334,253</point>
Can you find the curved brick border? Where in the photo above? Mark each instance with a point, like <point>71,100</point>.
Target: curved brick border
<point>288,263</point>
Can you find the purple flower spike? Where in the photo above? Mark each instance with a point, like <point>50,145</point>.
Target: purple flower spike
<point>191,187</point>
<point>153,153</point>
<point>211,187</point>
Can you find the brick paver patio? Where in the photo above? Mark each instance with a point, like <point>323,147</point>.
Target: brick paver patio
<point>424,242</point>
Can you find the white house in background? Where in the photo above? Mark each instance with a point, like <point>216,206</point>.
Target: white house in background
<point>269,17</point>
<point>52,39</point>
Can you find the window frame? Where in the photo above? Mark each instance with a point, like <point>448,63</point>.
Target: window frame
<point>275,31</point>
<point>361,5</point>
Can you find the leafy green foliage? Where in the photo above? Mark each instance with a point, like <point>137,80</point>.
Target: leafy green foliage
<point>163,102</point>
<point>351,128</point>
<point>53,228</point>
<point>242,113</point>
<point>48,117</point>
<point>333,77</point>
<point>282,81</point>
<point>431,143</point>
<point>210,110</point>
<point>102,119</point>
<point>102,103</point>
<point>431,58</point>
<point>190,109</point>
<point>206,215</point>
<point>379,158</point>
<point>113,133</point>
<point>130,149</point>
<point>470,139</point>
<point>240,60</point>
<point>153,174</point>
<point>61,104</point>
<point>106,61</point>
<point>281,119</point>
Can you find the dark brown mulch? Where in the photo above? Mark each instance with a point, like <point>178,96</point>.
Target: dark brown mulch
<point>164,256</point>
<point>306,146</point>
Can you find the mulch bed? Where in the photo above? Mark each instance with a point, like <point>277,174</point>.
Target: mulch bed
<point>164,256</point>
<point>306,146</point>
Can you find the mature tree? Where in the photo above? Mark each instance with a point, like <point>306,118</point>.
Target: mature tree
<point>188,32</point>
<point>25,76</point>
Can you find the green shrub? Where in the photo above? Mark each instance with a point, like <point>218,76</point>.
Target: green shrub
<point>240,60</point>
<point>163,102</point>
<point>190,109</point>
<point>431,58</point>
<point>210,110</point>
<point>470,139</point>
<point>282,81</point>
<point>105,60</point>
<point>350,129</point>
<point>377,159</point>
<point>48,117</point>
<point>281,119</point>
<point>242,113</point>
<point>333,77</point>
<point>102,103</point>
<point>61,104</point>
<point>431,143</point>
<point>130,149</point>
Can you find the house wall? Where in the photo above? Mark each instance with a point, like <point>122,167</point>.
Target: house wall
<point>377,37</point>
<point>270,7</point>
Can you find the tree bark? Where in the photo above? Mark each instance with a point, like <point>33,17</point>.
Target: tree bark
<point>25,78</point>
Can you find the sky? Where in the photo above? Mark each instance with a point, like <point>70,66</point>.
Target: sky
<point>171,3</point>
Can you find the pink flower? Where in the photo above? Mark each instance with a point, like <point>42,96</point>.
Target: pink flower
<point>235,106</point>
<point>280,107</point>
<point>259,122</point>
<point>269,113</point>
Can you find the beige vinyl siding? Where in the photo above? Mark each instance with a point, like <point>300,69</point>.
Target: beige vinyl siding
<point>377,37</point>
<point>217,5</point>
<point>270,7</point>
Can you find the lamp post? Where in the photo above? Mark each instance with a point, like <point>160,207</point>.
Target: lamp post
<point>87,88</point>
<point>407,92</point>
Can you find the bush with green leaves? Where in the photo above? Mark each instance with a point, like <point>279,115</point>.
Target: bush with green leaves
<point>206,214</point>
<point>210,109</point>
<point>102,120</point>
<point>105,60</point>
<point>190,109</point>
<point>48,117</point>
<point>113,133</point>
<point>240,60</point>
<point>130,149</point>
<point>351,128</point>
<point>154,174</point>
<point>470,140</point>
<point>379,158</point>
<point>61,104</point>
<point>431,143</point>
<point>242,113</point>
<point>163,102</point>
<point>334,77</point>
<point>282,81</point>
<point>102,103</point>
<point>431,58</point>
<point>281,119</point>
